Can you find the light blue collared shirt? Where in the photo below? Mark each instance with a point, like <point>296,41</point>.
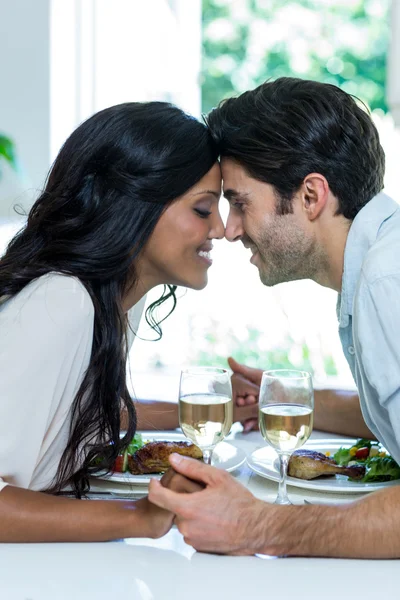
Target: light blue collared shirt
<point>369,316</point>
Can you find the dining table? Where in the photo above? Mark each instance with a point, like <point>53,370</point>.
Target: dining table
<point>169,569</point>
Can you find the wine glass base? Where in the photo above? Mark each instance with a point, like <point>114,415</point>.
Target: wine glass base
<point>283,502</point>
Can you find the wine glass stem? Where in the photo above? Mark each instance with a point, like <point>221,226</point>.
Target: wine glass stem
<point>282,497</point>
<point>207,454</point>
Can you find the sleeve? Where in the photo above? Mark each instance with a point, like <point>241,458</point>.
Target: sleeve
<point>43,329</point>
<point>377,320</point>
<point>134,318</point>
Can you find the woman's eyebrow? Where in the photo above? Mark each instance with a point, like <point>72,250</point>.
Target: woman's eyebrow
<point>216,195</point>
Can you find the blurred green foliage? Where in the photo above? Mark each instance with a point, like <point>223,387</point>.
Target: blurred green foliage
<point>213,343</point>
<point>7,151</point>
<point>343,42</point>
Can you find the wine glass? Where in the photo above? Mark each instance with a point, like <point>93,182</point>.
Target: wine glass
<point>205,407</point>
<point>286,406</point>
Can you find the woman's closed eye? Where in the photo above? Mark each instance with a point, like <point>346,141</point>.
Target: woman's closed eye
<point>202,212</point>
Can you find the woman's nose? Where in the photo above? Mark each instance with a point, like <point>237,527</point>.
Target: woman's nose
<point>218,229</point>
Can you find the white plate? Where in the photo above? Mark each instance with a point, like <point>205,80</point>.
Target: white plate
<point>264,462</point>
<point>225,456</point>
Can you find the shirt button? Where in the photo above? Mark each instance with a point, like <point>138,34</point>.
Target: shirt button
<point>351,350</point>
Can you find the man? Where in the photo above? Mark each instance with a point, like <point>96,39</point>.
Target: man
<point>303,170</point>
<point>291,249</point>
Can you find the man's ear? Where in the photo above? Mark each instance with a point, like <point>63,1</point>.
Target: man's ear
<point>314,194</point>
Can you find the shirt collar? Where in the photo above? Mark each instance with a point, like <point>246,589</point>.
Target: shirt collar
<point>362,234</point>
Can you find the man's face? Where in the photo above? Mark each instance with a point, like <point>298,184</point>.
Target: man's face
<point>283,247</point>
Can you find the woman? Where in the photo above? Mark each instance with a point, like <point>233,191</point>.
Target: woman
<point>131,202</point>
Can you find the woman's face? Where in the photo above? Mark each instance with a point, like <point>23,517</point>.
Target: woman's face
<point>178,251</point>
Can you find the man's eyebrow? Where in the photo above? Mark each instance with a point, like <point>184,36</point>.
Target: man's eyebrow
<point>232,195</point>
<point>216,195</point>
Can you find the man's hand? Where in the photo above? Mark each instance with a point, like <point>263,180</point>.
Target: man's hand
<point>223,517</point>
<point>245,389</point>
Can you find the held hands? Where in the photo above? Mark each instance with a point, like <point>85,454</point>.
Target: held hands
<point>245,389</point>
<point>156,521</point>
<point>220,515</point>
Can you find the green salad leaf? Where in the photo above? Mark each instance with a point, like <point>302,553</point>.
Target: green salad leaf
<point>342,456</point>
<point>364,443</point>
<point>135,444</point>
<point>377,468</point>
<point>381,468</point>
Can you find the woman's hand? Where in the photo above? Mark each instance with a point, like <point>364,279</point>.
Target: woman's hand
<point>179,483</point>
<point>156,521</point>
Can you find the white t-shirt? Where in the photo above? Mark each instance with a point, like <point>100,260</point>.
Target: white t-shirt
<point>46,334</point>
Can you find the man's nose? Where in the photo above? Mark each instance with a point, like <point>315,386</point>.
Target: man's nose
<point>234,228</point>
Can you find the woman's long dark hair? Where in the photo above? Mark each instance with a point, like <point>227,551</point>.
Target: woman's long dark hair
<point>108,187</point>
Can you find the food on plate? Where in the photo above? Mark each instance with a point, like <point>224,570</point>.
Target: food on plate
<point>365,461</point>
<point>308,464</point>
<point>152,457</point>
<point>379,465</point>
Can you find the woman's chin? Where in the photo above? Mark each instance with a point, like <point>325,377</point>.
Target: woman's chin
<point>197,284</point>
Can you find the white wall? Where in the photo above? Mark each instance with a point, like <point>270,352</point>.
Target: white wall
<point>24,96</point>
<point>62,60</point>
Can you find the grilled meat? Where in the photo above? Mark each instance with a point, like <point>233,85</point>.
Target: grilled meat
<point>307,464</point>
<point>153,457</point>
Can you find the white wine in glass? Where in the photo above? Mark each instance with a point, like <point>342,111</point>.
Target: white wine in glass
<point>205,407</point>
<point>286,427</point>
<point>286,406</point>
